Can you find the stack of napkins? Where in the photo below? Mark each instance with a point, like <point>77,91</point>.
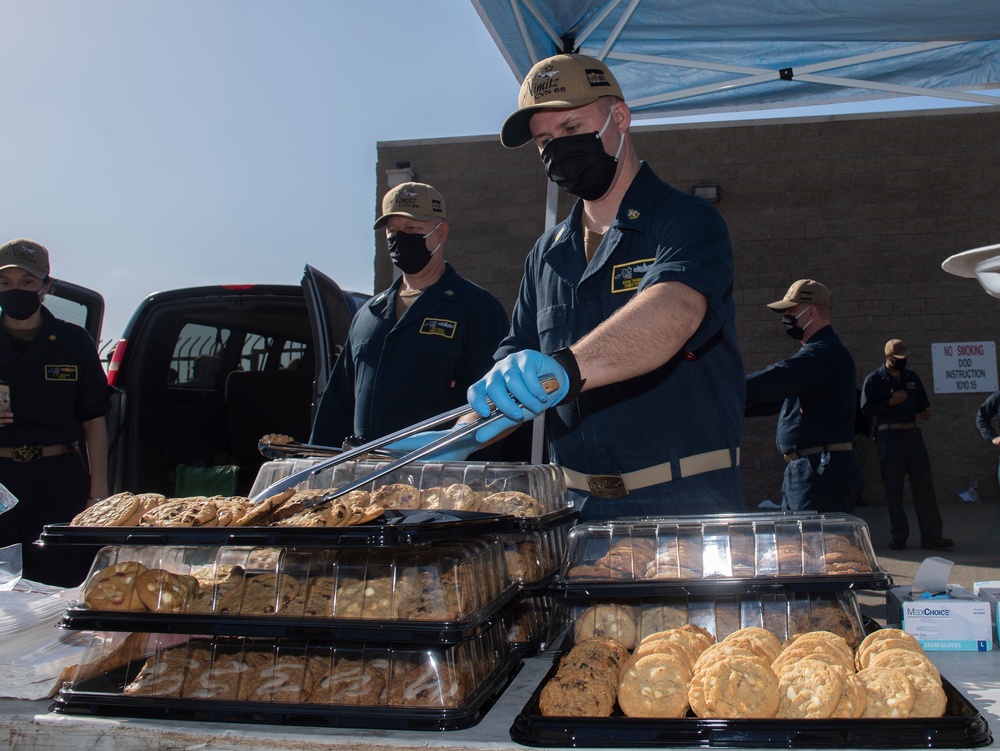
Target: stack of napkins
<point>33,651</point>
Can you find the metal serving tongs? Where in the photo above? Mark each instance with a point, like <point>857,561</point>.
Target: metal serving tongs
<point>276,446</point>
<point>549,383</point>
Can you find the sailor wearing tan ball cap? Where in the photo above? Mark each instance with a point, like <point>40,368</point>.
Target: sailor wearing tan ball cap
<point>628,301</point>
<point>817,394</point>
<point>894,397</point>
<point>414,348</point>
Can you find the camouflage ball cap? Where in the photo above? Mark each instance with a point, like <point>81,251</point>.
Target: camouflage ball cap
<point>560,82</point>
<point>26,255</point>
<point>803,292</point>
<point>418,201</point>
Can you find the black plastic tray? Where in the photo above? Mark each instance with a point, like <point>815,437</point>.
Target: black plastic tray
<point>81,701</point>
<point>962,727</point>
<point>546,521</point>
<point>396,528</point>
<point>876,580</point>
<point>278,626</point>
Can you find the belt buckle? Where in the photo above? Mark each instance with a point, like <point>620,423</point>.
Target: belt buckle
<point>27,453</point>
<point>607,486</point>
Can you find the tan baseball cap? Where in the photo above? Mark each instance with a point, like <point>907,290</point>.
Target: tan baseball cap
<point>803,292</point>
<point>560,82</point>
<point>895,347</point>
<point>418,201</point>
<point>27,255</point>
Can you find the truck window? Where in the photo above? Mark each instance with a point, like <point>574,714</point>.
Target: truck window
<point>197,358</point>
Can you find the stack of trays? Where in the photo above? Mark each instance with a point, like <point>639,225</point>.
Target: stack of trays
<point>788,574</point>
<point>401,622</point>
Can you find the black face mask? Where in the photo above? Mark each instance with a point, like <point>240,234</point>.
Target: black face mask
<point>19,304</point>
<point>791,324</point>
<point>898,362</point>
<point>409,252</point>
<point>580,165</point>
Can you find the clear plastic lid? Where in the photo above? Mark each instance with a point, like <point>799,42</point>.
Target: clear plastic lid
<point>426,583</point>
<point>632,619</point>
<point>529,622</point>
<point>534,556</point>
<point>804,550</point>
<point>523,490</point>
<point>143,667</point>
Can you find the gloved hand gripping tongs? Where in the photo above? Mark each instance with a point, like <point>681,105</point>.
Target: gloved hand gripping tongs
<point>549,383</point>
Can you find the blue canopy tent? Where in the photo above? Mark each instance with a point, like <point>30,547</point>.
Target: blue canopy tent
<point>684,57</point>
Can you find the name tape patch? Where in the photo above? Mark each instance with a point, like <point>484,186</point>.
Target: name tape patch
<point>439,327</point>
<point>625,277</point>
<point>60,373</point>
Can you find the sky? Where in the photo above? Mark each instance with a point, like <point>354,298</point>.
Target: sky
<point>160,144</point>
<point>172,143</point>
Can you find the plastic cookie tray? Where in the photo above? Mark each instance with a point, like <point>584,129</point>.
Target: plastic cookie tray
<point>437,593</point>
<point>962,726</point>
<point>395,528</point>
<point>535,494</point>
<point>327,683</point>
<point>784,614</point>
<point>721,554</point>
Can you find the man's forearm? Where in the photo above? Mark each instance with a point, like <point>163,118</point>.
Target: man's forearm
<point>642,336</point>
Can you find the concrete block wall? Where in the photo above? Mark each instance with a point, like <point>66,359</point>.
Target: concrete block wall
<point>870,205</point>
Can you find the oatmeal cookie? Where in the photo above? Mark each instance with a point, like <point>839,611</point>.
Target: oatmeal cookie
<point>574,693</point>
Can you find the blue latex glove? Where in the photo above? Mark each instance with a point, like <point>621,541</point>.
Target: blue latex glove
<point>456,452</point>
<point>516,378</point>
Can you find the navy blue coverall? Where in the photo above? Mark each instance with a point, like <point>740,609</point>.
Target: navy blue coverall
<point>57,383</point>
<point>690,405</point>
<point>392,374</point>
<point>901,451</point>
<point>815,423</point>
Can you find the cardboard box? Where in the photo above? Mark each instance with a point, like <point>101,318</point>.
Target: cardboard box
<point>955,620</point>
<point>992,595</point>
